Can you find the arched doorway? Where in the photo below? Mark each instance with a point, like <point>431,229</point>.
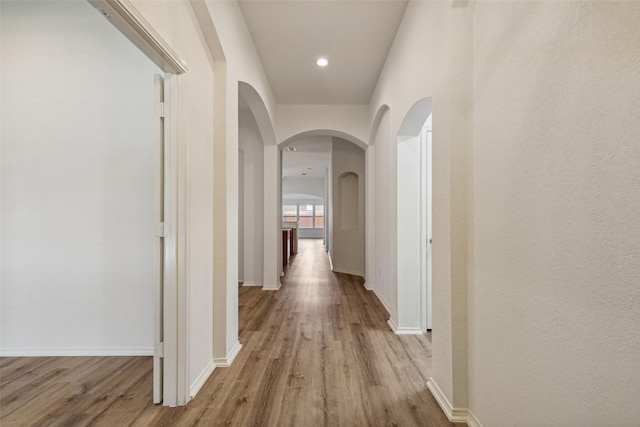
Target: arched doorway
<point>259,216</point>
<point>342,176</point>
<point>414,220</point>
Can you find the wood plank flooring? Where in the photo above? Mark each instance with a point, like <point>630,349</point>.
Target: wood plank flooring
<point>318,352</point>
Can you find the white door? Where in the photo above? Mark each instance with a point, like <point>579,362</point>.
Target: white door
<point>158,354</point>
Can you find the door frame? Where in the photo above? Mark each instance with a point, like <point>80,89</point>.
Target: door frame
<point>126,18</point>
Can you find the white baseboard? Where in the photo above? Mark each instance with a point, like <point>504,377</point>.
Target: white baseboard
<point>330,260</point>
<point>403,331</point>
<point>249,284</point>
<point>392,325</point>
<point>225,362</point>
<point>472,421</point>
<point>202,378</point>
<point>455,415</point>
<point>368,286</point>
<point>351,272</point>
<point>95,352</point>
<point>384,302</point>
<point>269,288</point>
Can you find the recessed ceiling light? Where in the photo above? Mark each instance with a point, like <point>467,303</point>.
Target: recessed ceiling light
<point>322,62</point>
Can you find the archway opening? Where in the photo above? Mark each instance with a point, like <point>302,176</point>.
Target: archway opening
<point>258,188</point>
<point>414,219</point>
<point>318,167</point>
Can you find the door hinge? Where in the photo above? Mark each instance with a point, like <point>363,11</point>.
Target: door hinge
<point>158,349</point>
<point>163,229</point>
<point>161,109</point>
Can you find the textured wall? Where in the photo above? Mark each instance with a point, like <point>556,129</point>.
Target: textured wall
<point>554,304</point>
<point>418,66</point>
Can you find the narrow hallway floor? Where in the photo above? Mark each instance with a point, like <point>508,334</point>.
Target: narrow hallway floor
<point>319,352</point>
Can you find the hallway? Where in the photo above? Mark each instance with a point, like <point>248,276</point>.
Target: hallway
<point>317,352</point>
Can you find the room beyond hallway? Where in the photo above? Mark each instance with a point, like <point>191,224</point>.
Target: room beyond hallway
<point>316,352</point>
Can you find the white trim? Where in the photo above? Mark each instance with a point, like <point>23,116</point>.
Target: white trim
<point>383,301</point>
<point>176,361</point>
<point>472,421</point>
<point>97,352</point>
<point>171,260</point>
<point>159,193</point>
<point>202,378</point>
<point>126,18</point>
<point>181,179</point>
<point>225,362</point>
<point>269,288</point>
<point>366,285</point>
<point>250,284</point>
<point>330,260</point>
<point>350,272</point>
<point>455,415</point>
<point>408,331</point>
<point>403,331</point>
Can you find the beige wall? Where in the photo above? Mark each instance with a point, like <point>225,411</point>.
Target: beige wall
<point>420,64</point>
<point>554,302</point>
<point>347,206</point>
<point>536,165</point>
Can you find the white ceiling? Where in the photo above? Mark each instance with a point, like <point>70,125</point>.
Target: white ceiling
<point>310,160</point>
<point>354,35</point>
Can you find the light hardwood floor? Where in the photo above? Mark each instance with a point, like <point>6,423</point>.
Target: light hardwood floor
<point>318,352</point>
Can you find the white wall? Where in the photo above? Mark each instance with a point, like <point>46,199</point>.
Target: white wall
<point>420,64</point>
<point>411,220</point>
<point>241,217</point>
<point>273,217</point>
<point>328,209</point>
<point>333,120</point>
<point>78,140</point>
<point>348,226</point>
<point>251,143</point>
<point>384,256</point>
<point>370,218</point>
<point>176,23</point>
<point>240,64</point>
<point>236,62</point>
<point>306,186</point>
<point>408,233</point>
<point>535,160</point>
<point>556,236</point>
